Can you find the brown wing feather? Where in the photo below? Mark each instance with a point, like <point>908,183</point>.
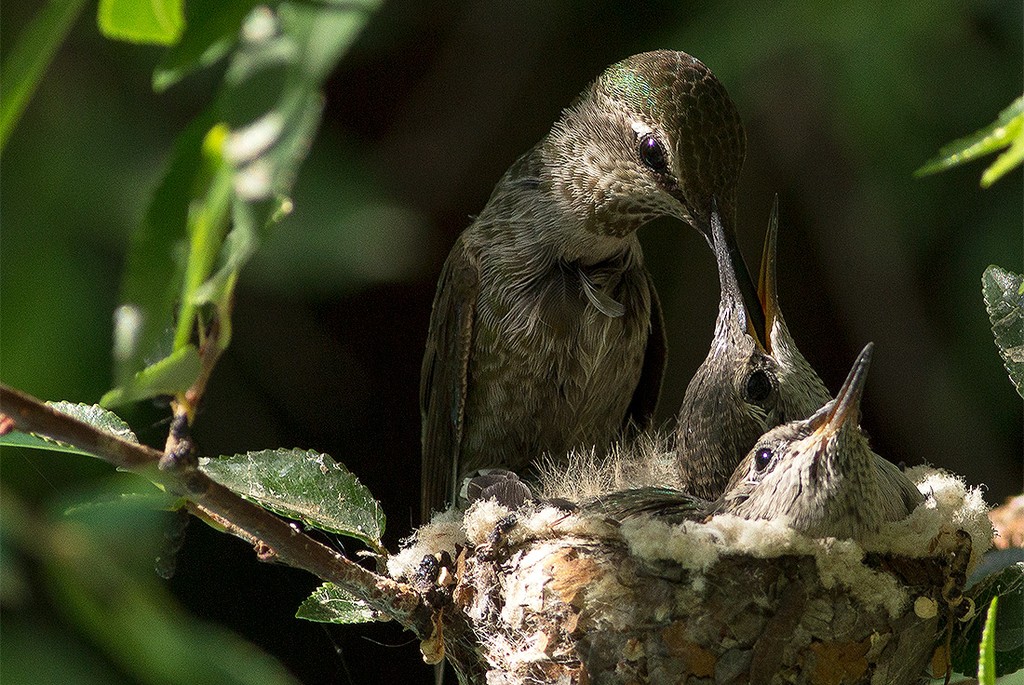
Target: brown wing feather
<point>648,389</point>
<point>443,380</point>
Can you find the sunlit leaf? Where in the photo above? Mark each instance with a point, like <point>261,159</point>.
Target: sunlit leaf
<point>158,22</point>
<point>26,62</point>
<point>1008,129</point>
<point>987,649</point>
<point>1004,302</point>
<point>98,417</point>
<point>208,222</point>
<point>211,31</point>
<point>239,244</point>
<point>1005,162</point>
<point>305,485</point>
<point>281,59</point>
<point>330,604</point>
<point>171,375</point>
<point>92,414</point>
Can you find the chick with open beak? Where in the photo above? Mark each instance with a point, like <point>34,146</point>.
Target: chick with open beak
<point>754,377</point>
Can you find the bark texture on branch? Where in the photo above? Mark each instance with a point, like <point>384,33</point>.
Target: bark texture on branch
<point>277,538</point>
<point>541,596</point>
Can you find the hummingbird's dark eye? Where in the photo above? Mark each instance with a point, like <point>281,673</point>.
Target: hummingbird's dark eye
<point>652,153</point>
<point>762,458</point>
<point>758,387</point>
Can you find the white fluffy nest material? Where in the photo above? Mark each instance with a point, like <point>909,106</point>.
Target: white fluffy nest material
<point>930,531</point>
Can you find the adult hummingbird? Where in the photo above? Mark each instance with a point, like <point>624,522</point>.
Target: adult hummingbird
<point>819,475</point>
<point>546,332</point>
<point>753,379</point>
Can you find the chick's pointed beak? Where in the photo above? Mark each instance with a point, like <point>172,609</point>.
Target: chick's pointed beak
<point>767,285</point>
<point>846,406</point>
<point>737,285</point>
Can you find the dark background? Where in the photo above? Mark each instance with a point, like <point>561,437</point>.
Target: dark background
<point>434,101</point>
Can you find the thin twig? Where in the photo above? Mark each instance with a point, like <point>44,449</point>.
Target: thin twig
<point>290,546</point>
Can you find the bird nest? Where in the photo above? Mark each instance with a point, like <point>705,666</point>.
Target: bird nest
<point>540,595</point>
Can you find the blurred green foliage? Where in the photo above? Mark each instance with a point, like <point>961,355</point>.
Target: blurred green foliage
<point>120,607</point>
<point>159,22</point>
<point>228,181</point>
<point>226,185</point>
<point>24,66</point>
<point>841,103</point>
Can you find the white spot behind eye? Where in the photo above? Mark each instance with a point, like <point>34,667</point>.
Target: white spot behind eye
<point>641,129</point>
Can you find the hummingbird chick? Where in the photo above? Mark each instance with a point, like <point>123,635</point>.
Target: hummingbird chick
<point>819,475</point>
<point>546,332</point>
<point>753,379</point>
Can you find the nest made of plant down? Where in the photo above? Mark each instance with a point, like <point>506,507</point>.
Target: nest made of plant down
<point>540,595</point>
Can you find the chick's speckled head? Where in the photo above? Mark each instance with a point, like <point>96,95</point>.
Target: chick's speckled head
<point>819,475</point>
<point>655,135</point>
<point>736,394</point>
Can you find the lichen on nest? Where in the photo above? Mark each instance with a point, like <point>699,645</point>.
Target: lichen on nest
<point>551,595</point>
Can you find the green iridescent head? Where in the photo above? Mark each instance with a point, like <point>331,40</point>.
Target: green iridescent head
<point>656,134</point>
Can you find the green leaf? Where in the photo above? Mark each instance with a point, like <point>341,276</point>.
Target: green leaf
<point>282,61</point>
<point>153,499</point>
<point>324,33</point>
<point>305,485</point>
<point>987,651</point>
<point>170,256</point>
<point>1007,129</point>
<point>98,417</point>
<point>211,31</point>
<point>1005,162</point>
<point>160,22</point>
<point>330,604</point>
<point>43,652</point>
<point>270,100</point>
<point>1004,302</point>
<point>1008,651</point>
<point>27,60</point>
<point>207,225</point>
<point>92,414</point>
<point>239,244</point>
<point>155,267</point>
<point>173,374</point>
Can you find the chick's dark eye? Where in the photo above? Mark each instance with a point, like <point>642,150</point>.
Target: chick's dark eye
<point>762,458</point>
<point>652,153</point>
<point>759,386</point>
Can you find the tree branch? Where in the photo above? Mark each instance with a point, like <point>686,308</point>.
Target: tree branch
<point>290,545</point>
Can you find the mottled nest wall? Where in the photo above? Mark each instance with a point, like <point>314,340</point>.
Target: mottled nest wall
<point>541,596</point>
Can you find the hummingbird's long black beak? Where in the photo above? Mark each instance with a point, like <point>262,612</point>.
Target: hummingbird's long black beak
<point>767,285</point>
<point>737,285</point>
<point>846,407</point>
